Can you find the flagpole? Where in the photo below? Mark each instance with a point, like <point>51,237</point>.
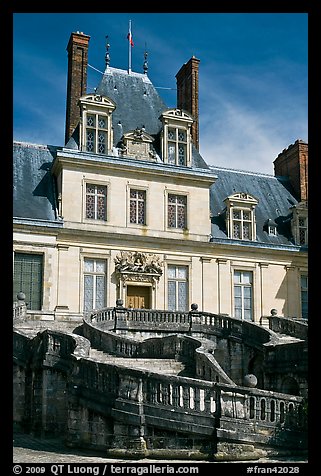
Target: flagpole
<point>129,47</point>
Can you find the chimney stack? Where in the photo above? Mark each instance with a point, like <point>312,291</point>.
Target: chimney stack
<point>77,78</point>
<point>187,94</point>
<point>293,163</point>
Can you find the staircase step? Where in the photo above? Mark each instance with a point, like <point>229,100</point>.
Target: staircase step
<point>164,366</point>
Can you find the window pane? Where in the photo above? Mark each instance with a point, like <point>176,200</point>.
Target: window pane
<point>171,296</point>
<point>182,296</point>
<point>237,277</point>
<point>100,292</point>
<point>102,123</point>
<point>88,292</point>
<point>246,277</point>
<point>90,120</point>
<point>100,266</point>
<point>171,154</point>
<point>182,272</point>
<point>171,271</point>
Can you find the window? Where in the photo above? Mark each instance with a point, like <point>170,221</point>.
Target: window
<point>299,223</point>
<point>94,284</point>
<point>28,272</point>
<point>96,202</point>
<point>303,230</point>
<point>240,216</point>
<point>243,306</point>
<point>176,137</point>
<point>304,296</point>
<point>177,146</point>
<point>177,288</point>
<point>137,207</point>
<point>96,134</point>
<point>242,224</point>
<point>176,213</point>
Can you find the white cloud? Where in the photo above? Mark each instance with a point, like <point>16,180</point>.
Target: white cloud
<point>247,119</point>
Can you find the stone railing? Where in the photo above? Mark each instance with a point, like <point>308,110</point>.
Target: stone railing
<point>139,397</point>
<point>120,318</point>
<point>19,310</point>
<point>293,327</point>
<point>175,393</point>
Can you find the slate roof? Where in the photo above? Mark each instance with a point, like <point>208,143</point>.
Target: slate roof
<point>138,104</point>
<point>34,195</point>
<point>274,202</point>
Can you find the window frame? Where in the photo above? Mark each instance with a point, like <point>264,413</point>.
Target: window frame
<point>245,203</point>
<point>96,105</point>
<point>177,280</point>
<point>42,257</point>
<point>304,290</point>
<point>178,120</point>
<point>137,188</point>
<point>95,274</point>
<point>95,183</point>
<point>186,218</point>
<point>242,287</point>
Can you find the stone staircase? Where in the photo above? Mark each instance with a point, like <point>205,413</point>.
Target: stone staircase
<point>162,366</point>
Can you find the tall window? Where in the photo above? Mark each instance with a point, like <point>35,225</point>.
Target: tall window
<point>27,278</point>
<point>96,134</point>
<point>304,296</point>
<point>94,284</point>
<point>96,201</point>
<point>177,279</point>
<point>243,305</point>
<point>137,207</point>
<point>303,231</point>
<point>177,146</point>
<point>176,214</point>
<point>242,224</point>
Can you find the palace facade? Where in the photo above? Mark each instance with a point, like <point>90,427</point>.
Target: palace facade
<point>128,209</point>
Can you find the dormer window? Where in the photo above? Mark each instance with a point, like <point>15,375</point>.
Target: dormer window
<point>300,223</point>
<point>96,134</point>
<point>176,137</point>
<point>270,227</point>
<point>240,216</point>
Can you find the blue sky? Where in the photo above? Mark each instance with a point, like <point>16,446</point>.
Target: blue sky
<point>253,78</point>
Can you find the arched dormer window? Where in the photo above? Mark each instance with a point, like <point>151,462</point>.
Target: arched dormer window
<point>96,133</point>
<point>176,137</point>
<point>240,216</point>
<point>299,223</point>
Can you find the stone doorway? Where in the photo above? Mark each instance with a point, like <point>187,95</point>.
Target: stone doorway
<point>138,297</point>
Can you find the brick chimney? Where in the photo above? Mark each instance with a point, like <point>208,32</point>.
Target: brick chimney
<point>77,78</point>
<point>293,163</point>
<point>187,94</point>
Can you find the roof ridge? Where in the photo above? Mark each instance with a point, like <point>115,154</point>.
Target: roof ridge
<point>247,172</point>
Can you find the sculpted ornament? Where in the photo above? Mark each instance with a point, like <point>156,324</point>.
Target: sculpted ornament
<point>137,262</point>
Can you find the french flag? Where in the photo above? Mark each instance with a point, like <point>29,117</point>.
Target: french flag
<point>130,38</point>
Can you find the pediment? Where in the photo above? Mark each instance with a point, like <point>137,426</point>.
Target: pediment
<point>138,135</point>
<point>242,197</point>
<point>177,114</point>
<point>98,99</point>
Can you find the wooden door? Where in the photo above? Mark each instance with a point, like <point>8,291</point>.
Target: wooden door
<point>138,297</point>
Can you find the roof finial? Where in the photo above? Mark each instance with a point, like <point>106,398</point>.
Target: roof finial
<point>145,66</point>
<point>107,57</point>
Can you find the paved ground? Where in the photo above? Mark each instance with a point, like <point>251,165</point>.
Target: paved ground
<point>28,449</point>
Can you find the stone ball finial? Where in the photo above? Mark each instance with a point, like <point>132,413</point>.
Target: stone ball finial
<point>250,380</point>
<point>119,303</point>
<point>21,296</point>
<point>194,307</point>
<point>274,312</point>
